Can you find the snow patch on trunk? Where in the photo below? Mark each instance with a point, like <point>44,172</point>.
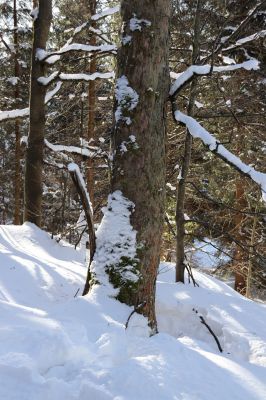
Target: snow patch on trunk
<point>127,99</point>
<point>116,244</point>
<point>136,24</point>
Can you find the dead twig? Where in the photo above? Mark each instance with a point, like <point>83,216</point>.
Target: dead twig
<point>202,320</point>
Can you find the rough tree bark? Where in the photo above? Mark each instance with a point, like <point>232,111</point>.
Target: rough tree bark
<point>139,172</point>
<point>34,154</point>
<point>181,190</point>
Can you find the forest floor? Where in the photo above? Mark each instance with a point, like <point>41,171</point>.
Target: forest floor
<point>57,345</point>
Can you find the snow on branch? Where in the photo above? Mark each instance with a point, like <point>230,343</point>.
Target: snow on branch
<point>106,13</point>
<point>13,114</point>
<point>246,39</point>
<point>197,131</point>
<point>70,149</point>
<point>25,112</point>
<point>49,95</point>
<point>53,56</point>
<point>87,77</point>
<point>72,167</point>
<point>75,77</point>
<point>186,76</point>
<point>240,28</point>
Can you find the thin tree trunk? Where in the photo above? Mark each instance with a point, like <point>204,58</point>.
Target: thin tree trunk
<point>251,255</point>
<point>140,171</point>
<point>239,258</point>
<point>91,105</point>
<point>239,263</point>
<point>34,154</point>
<point>181,190</point>
<point>17,181</point>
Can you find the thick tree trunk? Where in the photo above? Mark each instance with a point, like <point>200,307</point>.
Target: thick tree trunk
<point>138,141</point>
<point>34,154</point>
<point>17,180</point>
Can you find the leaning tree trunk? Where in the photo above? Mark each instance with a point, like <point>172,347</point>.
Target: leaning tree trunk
<point>34,154</point>
<point>138,140</point>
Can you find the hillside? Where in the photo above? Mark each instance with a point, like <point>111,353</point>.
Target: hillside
<point>55,344</point>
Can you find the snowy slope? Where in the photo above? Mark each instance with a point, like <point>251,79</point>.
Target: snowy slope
<point>56,346</point>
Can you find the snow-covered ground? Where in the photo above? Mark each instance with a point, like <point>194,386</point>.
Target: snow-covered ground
<point>56,346</point>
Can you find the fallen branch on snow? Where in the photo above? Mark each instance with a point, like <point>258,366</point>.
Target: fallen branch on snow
<point>202,320</point>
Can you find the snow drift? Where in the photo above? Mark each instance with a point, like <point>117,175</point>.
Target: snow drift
<point>55,344</point>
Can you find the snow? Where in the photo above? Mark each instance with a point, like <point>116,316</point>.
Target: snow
<point>46,80</point>
<point>106,12</point>
<point>228,60</point>
<point>127,99</point>
<point>182,78</point>
<point>13,80</point>
<point>53,57</point>
<point>247,39</point>
<point>132,138</point>
<point>115,240</point>
<point>14,114</point>
<point>55,344</point>
<point>197,131</point>
<point>80,28</point>
<point>126,39</point>
<point>136,24</point>
<point>69,149</point>
<point>24,140</point>
<point>73,167</point>
<point>80,77</point>
<point>88,77</point>
<point>198,104</point>
<point>49,95</point>
<point>171,187</point>
<point>24,112</point>
<point>34,13</point>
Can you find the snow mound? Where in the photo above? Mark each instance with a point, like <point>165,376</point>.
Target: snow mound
<point>55,344</point>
